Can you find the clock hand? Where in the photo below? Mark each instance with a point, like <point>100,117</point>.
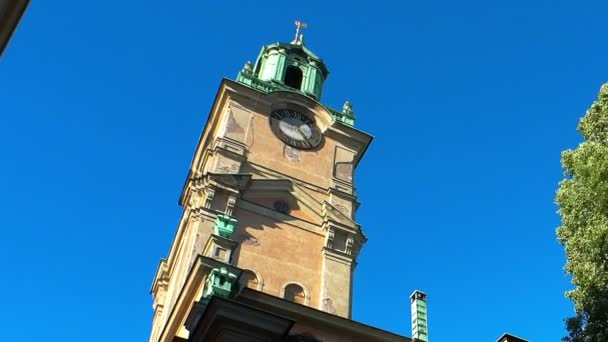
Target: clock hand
<point>303,136</point>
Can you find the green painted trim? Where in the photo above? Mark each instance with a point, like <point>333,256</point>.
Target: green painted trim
<point>274,59</point>
<point>420,328</point>
<point>224,226</point>
<point>220,283</point>
<point>247,78</point>
<point>345,118</point>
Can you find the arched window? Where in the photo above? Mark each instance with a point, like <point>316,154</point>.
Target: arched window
<point>293,77</point>
<point>250,279</point>
<point>295,293</point>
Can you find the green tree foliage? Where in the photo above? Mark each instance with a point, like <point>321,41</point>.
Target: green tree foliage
<point>583,205</point>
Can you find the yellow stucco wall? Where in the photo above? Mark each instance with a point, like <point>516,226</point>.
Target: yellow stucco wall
<point>279,252</point>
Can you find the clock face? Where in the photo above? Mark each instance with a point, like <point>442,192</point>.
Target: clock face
<point>295,129</point>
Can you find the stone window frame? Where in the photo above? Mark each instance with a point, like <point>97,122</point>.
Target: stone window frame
<point>306,293</point>
<point>258,276</point>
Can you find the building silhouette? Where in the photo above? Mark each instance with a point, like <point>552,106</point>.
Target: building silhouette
<point>268,240</point>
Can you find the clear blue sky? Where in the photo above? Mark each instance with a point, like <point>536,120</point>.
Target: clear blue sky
<point>471,102</point>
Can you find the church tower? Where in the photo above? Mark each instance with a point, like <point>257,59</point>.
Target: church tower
<point>269,202</point>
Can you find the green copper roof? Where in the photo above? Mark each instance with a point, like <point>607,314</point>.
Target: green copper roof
<point>346,116</point>
<point>291,67</point>
<point>298,48</point>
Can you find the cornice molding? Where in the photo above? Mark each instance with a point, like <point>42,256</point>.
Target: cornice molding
<point>341,257</point>
<point>342,187</point>
<point>341,132</point>
<point>221,316</point>
<point>331,215</point>
<point>161,277</point>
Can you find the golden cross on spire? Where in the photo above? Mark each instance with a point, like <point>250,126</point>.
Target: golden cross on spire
<point>299,39</point>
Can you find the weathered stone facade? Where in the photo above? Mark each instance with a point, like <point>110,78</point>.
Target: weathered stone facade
<point>241,169</point>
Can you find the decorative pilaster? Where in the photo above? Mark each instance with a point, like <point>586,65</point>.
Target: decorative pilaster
<point>344,239</point>
<point>159,296</point>
<point>330,238</point>
<point>230,204</point>
<point>199,196</point>
<point>349,244</point>
<point>210,191</point>
<point>336,271</point>
<point>159,292</point>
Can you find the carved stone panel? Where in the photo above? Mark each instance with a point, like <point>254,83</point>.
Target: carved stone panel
<point>344,205</point>
<point>344,171</point>
<point>291,154</point>
<point>227,165</point>
<point>237,122</point>
<point>343,164</point>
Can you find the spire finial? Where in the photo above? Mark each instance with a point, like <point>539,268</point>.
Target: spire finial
<point>299,37</point>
